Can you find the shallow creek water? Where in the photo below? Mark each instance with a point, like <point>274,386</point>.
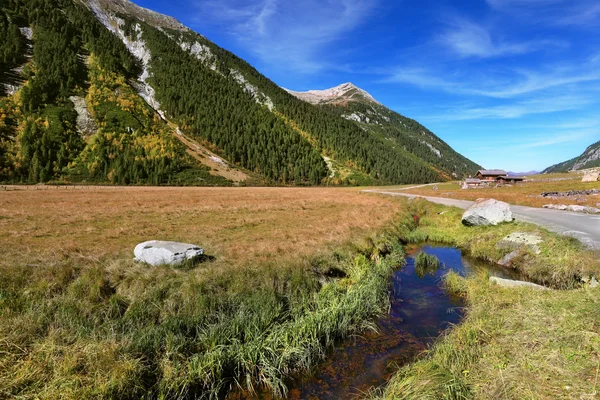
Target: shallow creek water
<point>420,311</point>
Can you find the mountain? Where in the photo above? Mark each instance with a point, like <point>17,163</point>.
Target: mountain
<point>589,159</point>
<point>337,95</point>
<point>107,91</point>
<point>406,136</point>
<point>510,173</point>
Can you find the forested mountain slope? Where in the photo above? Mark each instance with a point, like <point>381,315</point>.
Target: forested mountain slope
<point>589,159</point>
<point>399,132</point>
<point>104,90</point>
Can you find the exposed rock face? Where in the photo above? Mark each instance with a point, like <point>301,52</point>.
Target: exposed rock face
<point>590,176</point>
<point>574,208</point>
<point>487,212</point>
<point>85,122</point>
<point>158,252</point>
<point>519,239</point>
<point>344,92</point>
<point>146,15</point>
<point>515,284</point>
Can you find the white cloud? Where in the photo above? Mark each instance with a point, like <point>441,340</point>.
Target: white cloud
<point>291,33</point>
<point>497,83</point>
<point>517,109</point>
<point>469,39</point>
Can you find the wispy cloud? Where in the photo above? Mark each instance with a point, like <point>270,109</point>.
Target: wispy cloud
<point>580,13</point>
<point>469,39</point>
<point>512,110</point>
<point>507,83</point>
<point>293,33</point>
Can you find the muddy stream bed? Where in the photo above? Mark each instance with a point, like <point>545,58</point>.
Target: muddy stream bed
<point>420,311</point>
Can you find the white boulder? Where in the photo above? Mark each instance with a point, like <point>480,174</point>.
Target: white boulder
<point>487,212</point>
<point>158,252</point>
<point>509,283</point>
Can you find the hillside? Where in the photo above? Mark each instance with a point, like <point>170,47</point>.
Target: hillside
<point>589,159</point>
<point>107,91</point>
<point>405,135</point>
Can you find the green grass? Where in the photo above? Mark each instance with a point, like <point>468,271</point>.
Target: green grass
<point>513,343</point>
<point>124,330</point>
<point>426,264</point>
<point>562,263</point>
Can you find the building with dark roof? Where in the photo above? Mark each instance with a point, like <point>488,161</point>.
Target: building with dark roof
<point>490,175</point>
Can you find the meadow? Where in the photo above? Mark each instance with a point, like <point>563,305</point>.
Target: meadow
<point>287,273</point>
<point>523,194</point>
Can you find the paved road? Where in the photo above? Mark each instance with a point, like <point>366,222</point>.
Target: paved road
<point>584,227</point>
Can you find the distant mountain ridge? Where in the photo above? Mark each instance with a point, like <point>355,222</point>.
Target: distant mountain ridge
<point>590,158</point>
<point>510,173</point>
<point>170,107</point>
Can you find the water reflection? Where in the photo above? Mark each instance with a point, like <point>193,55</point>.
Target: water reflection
<point>420,311</point>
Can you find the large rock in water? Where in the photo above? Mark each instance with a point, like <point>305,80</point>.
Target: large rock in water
<point>158,252</point>
<point>487,212</point>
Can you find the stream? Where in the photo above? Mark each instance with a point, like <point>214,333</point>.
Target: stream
<point>420,311</point>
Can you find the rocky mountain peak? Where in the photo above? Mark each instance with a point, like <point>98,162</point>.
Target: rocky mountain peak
<point>151,17</point>
<point>339,94</point>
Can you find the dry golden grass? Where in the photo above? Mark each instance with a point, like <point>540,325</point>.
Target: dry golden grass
<point>235,225</point>
<point>525,194</point>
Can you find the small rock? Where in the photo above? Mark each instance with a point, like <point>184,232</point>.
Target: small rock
<point>158,252</point>
<point>507,260</point>
<point>561,207</point>
<point>518,239</point>
<point>509,283</point>
<point>574,208</point>
<point>590,281</point>
<point>487,212</point>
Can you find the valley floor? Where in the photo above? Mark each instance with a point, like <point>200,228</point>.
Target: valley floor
<point>80,319</point>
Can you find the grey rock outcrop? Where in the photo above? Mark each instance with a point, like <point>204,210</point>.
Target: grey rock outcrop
<point>590,176</point>
<point>519,239</point>
<point>487,212</point>
<point>158,252</point>
<point>85,123</point>
<point>509,283</point>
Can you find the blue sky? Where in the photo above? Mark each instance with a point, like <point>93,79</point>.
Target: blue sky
<point>511,84</point>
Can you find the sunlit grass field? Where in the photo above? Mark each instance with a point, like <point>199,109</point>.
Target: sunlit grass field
<point>525,194</point>
<point>235,225</point>
<point>80,319</point>
<point>291,272</point>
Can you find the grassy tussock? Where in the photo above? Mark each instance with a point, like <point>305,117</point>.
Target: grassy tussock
<point>455,284</point>
<point>426,264</point>
<point>513,343</point>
